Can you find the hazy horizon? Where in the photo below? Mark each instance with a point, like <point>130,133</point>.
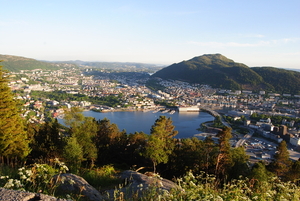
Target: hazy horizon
<point>256,33</point>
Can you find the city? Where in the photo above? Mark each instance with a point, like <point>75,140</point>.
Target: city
<point>133,94</point>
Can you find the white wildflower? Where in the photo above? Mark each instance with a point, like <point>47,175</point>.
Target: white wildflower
<point>23,177</point>
<point>3,177</point>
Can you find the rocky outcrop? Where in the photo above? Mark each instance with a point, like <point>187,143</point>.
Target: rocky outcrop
<point>146,180</point>
<point>135,183</point>
<point>138,183</point>
<point>75,185</point>
<point>13,195</point>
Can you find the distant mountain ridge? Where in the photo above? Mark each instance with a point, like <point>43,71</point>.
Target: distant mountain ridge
<point>218,71</point>
<point>16,63</point>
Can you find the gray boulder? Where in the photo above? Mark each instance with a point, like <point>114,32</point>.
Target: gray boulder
<point>73,184</point>
<point>138,183</point>
<point>146,180</point>
<point>14,195</point>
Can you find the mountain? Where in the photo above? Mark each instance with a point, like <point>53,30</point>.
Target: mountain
<point>282,80</point>
<point>16,63</point>
<point>220,72</point>
<point>124,66</point>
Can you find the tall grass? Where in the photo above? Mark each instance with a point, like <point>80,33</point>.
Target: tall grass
<point>102,178</point>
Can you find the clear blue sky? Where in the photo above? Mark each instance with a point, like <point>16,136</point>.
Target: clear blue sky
<point>253,32</point>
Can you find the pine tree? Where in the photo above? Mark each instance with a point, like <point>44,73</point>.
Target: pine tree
<point>108,141</point>
<point>13,137</point>
<point>160,143</point>
<point>224,159</point>
<point>259,172</point>
<point>281,164</point>
<point>84,130</point>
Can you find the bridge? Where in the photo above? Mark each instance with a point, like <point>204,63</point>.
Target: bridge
<point>215,114</point>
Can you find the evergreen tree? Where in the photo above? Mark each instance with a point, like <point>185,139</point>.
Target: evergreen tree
<point>134,147</point>
<point>224,159</point>
<point>239,160</point>
<point>209,155</point>
<point>73,154</point>
<point>186,156</point>
<point>160,143</point>
<point>108,141</point>
<point>259,172</point>
<point>13,137</point>
<point>281,164</point>
<point>84,129</point>
<point>85,135</point>
<point>73,117</point>
<point>46,142</point>
<point>294,173</point>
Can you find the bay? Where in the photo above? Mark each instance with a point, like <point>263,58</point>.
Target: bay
<point>186,123</point>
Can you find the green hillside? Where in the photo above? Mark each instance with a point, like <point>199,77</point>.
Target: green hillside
<point>220,72</point>
<point>16,63</point>
<point>284,81</point>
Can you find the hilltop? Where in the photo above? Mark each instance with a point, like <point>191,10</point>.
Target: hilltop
<point>218,71</point>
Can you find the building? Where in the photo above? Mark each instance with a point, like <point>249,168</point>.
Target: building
<point>189,109</point>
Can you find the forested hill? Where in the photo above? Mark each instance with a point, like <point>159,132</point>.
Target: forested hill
<point>285,81</point>
<point>220,72</point>
<point>16,63</point>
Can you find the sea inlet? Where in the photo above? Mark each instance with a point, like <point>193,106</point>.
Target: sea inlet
<point>186,123</point>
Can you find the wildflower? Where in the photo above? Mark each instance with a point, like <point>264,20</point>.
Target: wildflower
<point>3,177</point>
<point>28,173</point>
<point>23,177</point>
<point>9,184</point>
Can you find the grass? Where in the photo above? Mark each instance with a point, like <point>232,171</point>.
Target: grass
<point>102,178</point>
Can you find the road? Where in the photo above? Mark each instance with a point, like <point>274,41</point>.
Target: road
<point>243,139</point>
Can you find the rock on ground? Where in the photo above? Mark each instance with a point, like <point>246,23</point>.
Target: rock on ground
<point>13,195</point>
<point>73,184</point>
<point>137,183</point>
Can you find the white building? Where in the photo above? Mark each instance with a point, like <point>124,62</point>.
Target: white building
<point>295,141</point>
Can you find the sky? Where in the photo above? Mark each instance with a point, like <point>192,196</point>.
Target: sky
<point>253,32</point>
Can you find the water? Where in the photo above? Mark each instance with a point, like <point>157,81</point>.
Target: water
<point>185,123</point>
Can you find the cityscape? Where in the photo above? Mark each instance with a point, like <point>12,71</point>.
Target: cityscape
<point>150,100</point>
<point>184,97</point>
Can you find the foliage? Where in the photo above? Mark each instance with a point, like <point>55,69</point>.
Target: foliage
<point>203,187</point>
<point>46,140</point>
<point>282,81</point>
<point>110,100</point>
<point>275,119</point>
<point>73,154</point>
<point>260,173</point>
<point>101,178</point>
<point>110,142</point>
<point>13,138</point>
<point>217,123</point>
<point>160,144</point>
<point>281,164</point>
<point>34,178</point>
<point>224,159</point>
<point>154,85</point>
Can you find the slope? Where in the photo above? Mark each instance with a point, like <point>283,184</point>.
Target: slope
<point>16,63</point>
<point>215,70</point>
